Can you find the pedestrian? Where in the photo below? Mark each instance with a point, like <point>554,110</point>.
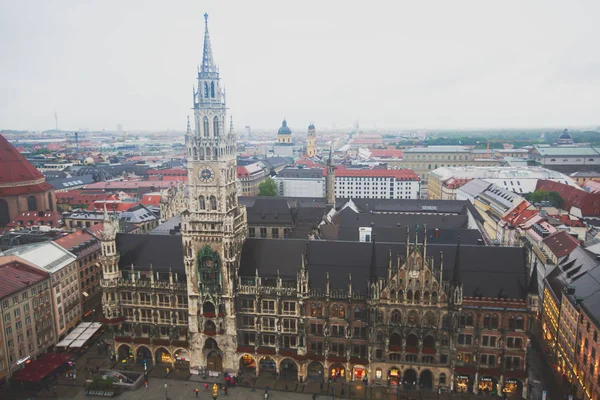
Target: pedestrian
<point>314,397</point>
<point>196,391</point>
<point>146,383</point>
<point>342,391</point>
<point>226,394</point>
<point>168,370</point>
<point>206,386</point>
<point>321,387</point>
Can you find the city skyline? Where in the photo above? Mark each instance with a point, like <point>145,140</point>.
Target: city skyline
<point>465,62</point>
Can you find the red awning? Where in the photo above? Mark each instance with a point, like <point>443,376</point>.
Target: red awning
<point>38,369</point>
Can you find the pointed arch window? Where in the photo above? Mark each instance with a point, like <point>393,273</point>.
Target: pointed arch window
<point>202,203</point>
<point>205,126</point>
<point>201,153</point>
<point>342,312</point>
<point>31,203</point>
<point>195,154</point>
<point>212,90</point>
<point>216,127</point>
<point>206,90</point>
<point>334,311</point>
<point>213,203</point>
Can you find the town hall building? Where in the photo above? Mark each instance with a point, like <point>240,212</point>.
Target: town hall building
<point>401,312</point>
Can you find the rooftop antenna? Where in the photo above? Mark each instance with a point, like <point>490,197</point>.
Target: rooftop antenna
<point>56,119</point>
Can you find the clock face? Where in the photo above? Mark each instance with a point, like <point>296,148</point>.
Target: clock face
<point>206,174</point>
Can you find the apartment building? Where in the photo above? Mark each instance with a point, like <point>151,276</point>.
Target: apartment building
<point>377,184</point>
<point>64,281</point>
<point>27,315</point>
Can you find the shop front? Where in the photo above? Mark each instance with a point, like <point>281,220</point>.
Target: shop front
<point>337,371</point>
<point>359,372</point>
<point>487,385</point>
<point>394,376</point>
<point>463,383</point>
<point>512,385</point>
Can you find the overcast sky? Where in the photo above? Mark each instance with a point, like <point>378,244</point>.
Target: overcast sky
<point>406,64</point>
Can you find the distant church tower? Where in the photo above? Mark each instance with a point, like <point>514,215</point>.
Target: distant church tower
<point>213,226</point>
<point>284,134</point>
<point>330,180</point>
<point>311,141</point>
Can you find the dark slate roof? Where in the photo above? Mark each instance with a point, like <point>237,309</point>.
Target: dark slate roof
<point>66,183</point>
<point>142,250</point>
<point>456,207</point>
<point>485,271</point>
<point>284,210</point>
<point>270,211</point>
<point>348,217</point>
<point>295,172</point>
<point>393,234</point>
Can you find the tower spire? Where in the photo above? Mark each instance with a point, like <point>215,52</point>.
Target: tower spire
<point>231,125</point>
<point>208,64</point>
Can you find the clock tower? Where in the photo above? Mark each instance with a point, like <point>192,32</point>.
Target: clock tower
<point>213,225</point>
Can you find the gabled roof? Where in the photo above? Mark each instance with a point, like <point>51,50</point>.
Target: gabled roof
<point>588,203</point>
<point>561,243</point>
<point>17,275</point>
<point>14,167</point>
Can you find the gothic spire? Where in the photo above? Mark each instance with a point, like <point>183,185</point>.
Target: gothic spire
<point>456,272</point>
<point>208,64</point>
<point>373,269</point>
<point>330,155</point>
<point>231,125</point>
<point>189,127</point>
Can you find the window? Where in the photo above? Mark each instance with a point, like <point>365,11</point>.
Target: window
<point>489,341</point>
<point>289,325</point>
<point>514,343</point>
<point>488,359</point>
<point>512,362</point>
<point>275,233</point>
<point>251,232</point>
<point>247,305</point>
<point>465,339</point>
<point>316,310</point>
<point>289,307</point>
<point>316,329</point>
<point>466,320</point>
<point>263,233</point>
<point>268,306</point>
<point>396,317</point>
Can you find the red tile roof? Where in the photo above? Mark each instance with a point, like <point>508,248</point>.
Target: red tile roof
<point>112,205</point>
<point>13,165</point>
<point>386,153</point>
<point>151,199</point>
<point>120,185</point>
<point>77,198</point>
<point>588,203</point>
<point>399,174</point>
<point>79,237</point>
<point>35,218</point>
<point>561,243</point>
<point>17,276</point>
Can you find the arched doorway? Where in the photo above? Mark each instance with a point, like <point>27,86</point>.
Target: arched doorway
<point>214,361</point>
<point>393,376</point>
<point>288,369</point>
<point>426,379</point>
<point>395,342</point>
<point>124,353</point>
<point>315,371</point>
<point>163,357</point>
<point>4,215</point>
<point>247,365</point>
<point>337,371</point>
<point>208,309</point>
<point>409,380</point>
<point>267,367</point>
<point>144,354</point>
<point>182,358</point>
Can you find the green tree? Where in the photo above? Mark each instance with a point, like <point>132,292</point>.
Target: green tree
<point>541,195</point>
<point>267,188</point>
